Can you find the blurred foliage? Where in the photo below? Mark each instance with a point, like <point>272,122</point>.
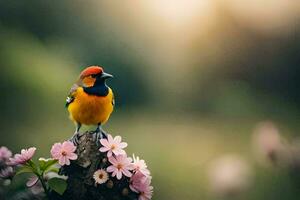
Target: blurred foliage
<point>191,80</point>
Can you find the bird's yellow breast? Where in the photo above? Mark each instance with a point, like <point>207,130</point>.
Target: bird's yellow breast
<point>91,109</point>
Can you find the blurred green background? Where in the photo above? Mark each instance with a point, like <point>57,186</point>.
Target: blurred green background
<point>192,79</point>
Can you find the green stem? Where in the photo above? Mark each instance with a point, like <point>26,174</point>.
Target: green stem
<point>44,186</point>
<point>40,176</point>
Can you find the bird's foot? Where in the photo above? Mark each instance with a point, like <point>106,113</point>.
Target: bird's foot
<point>99,134</point>
<point>75,138</point>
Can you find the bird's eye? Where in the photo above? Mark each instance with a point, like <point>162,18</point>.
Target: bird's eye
<point>94,75</point>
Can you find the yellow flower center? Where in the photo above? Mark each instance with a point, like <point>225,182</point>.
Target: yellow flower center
<point>119,166</point>
<point>113,147</point>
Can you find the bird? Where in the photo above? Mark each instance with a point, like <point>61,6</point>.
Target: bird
<point>90,100</point>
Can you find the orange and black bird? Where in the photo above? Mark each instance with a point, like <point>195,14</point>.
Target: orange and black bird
<point>90,100</point>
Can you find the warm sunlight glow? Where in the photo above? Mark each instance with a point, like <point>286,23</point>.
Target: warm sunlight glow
<point>273,16</point>
<point>179,12</point>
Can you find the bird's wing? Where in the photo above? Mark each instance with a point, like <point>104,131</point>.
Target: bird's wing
<point>113,100</point>
<point>71,96</point>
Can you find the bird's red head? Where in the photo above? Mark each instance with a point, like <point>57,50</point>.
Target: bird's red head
<point>89,75</point>
<point>92,70</point>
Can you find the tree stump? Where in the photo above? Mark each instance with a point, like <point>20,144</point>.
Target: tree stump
<point>81,185</point>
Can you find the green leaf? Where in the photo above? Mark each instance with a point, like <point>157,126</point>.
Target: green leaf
<point>33,166</point>
<point>24,169</point>
<point>46,163</point>
<point>52,169</point>
<point>58,185</point>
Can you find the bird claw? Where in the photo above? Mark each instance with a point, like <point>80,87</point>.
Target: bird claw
<point>99,134</point>
<point>75,138</point>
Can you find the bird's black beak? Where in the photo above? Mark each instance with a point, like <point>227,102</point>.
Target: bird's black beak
<point>106,76</point>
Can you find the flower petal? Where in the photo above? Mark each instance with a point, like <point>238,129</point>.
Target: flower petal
<point>110,169</point>
<point>110,138</point>
<point>67,161</point>
<point>118,139</point>
<point>104,142</point>
<point>72,156</point>
<point>103,149</point>
<point>112,160</point>
<point>123,145</point>
<point>119,175</point>
<point>109,154</point>
<point>32,181</point>
<point>127,173</point>
<point>62,160</point>
<point>68,146</point>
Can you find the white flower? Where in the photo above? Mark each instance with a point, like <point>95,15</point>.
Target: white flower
<point>140,166</point>
<point>100,176</point>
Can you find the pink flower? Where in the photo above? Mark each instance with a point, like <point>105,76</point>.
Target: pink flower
<point>120,165</point>
<point>32,181</point>
<point>146,193</point>
<point>64,152</point>
<point>5,154</point>
<point>34,185</point>
<point>26,155</point>
<point>267,142</point>
<point>137,182</point>
<point>113,145</point>
<point>140,166</point>
<point>7,173</point>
